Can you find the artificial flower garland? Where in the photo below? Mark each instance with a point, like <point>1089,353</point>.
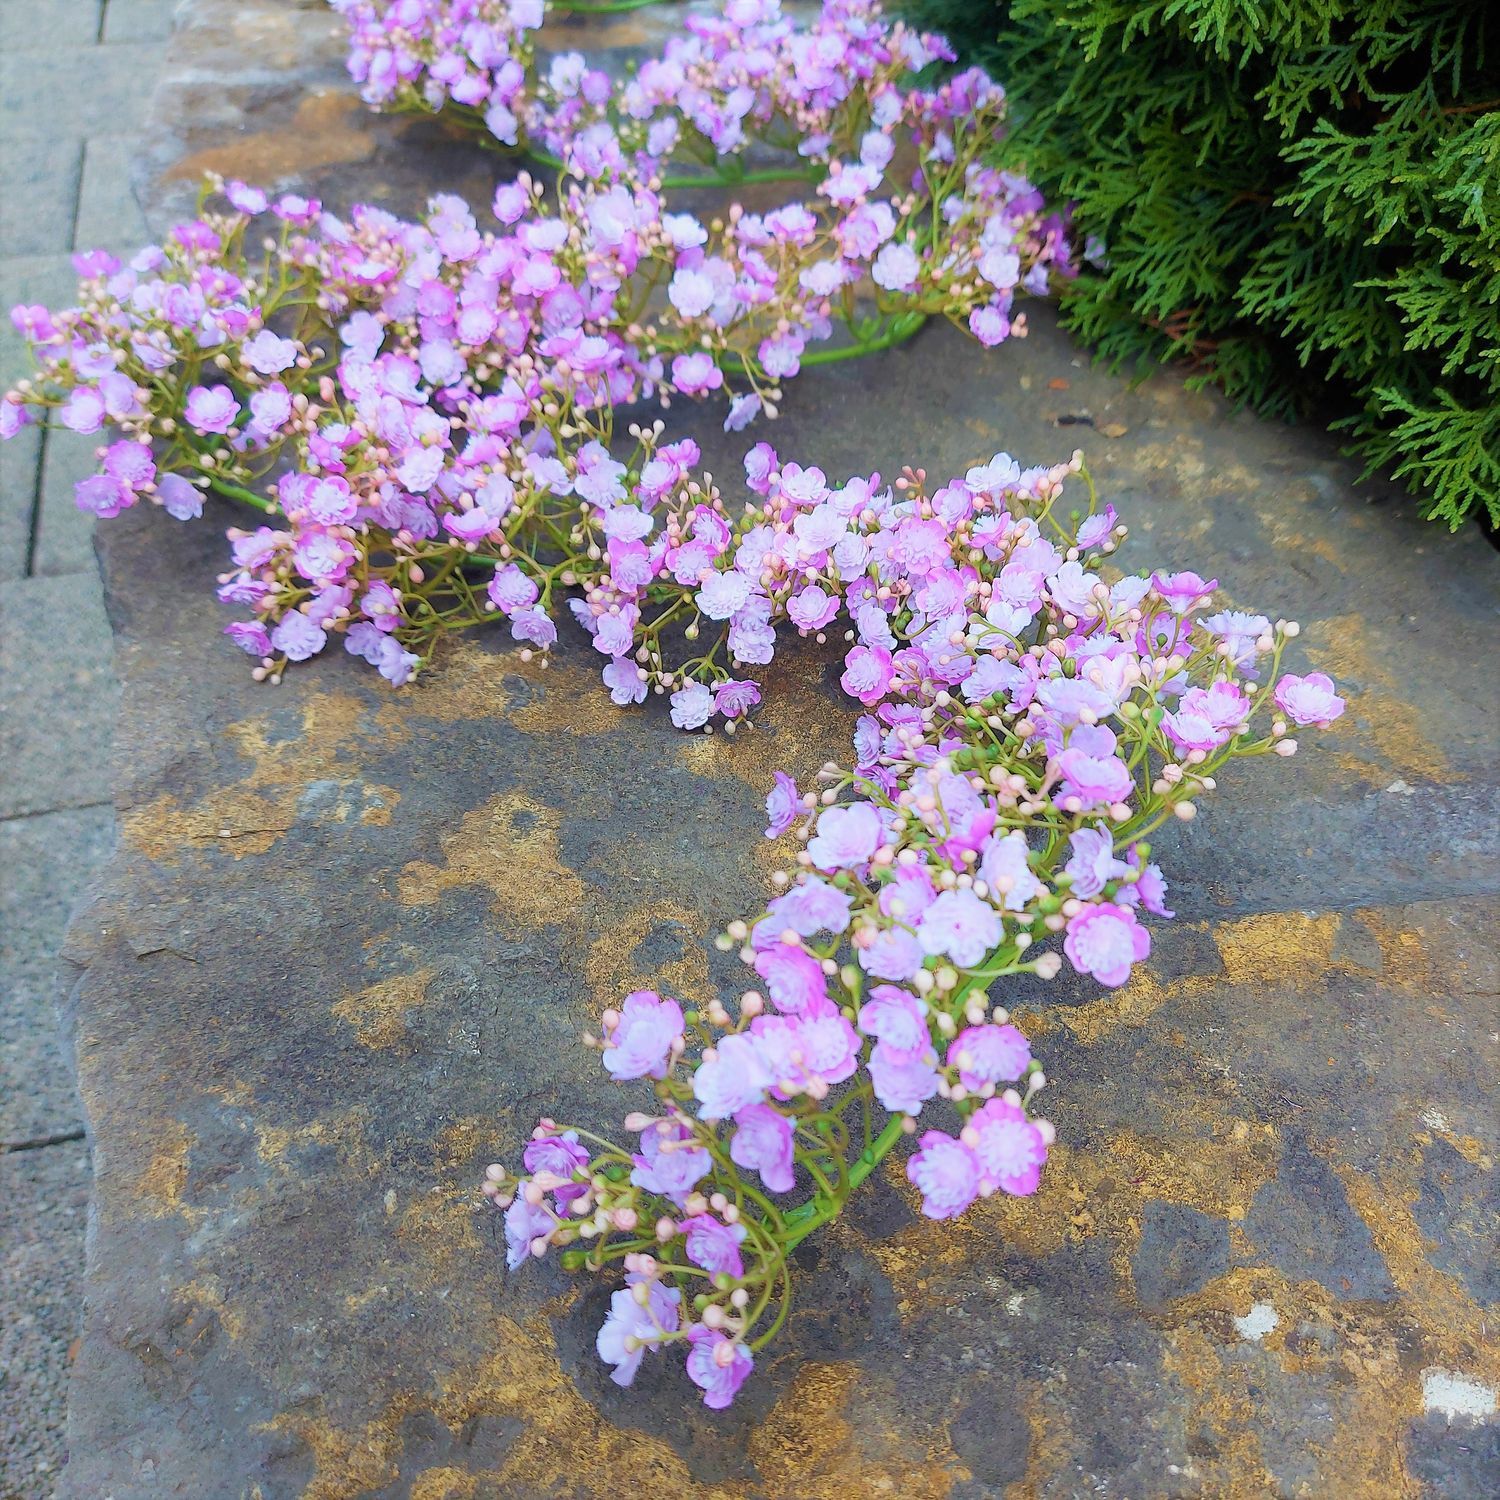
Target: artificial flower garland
<point>423,413</point>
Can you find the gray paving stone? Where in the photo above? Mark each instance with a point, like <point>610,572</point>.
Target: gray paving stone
<point>20,462</point>
<point>108,216</point>
<point>58,694</point>
<point>98,89</point>
<point>48,861</point>
<point>138,20</point>
<point>64,535</point>
<point>33,24</point>
<point>43,1209</point>
<point>39,189</point>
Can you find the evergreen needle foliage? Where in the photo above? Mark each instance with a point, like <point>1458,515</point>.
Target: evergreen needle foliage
<point>1300,197</point>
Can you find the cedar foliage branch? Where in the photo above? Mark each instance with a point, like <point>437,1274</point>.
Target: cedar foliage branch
<point>1300,197</point>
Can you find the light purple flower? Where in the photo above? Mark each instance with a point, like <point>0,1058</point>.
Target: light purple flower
<point>211,409</point>
<point>692,706</point>
<point>1011,1151</point>
<point>1093,863</point>
<point>722,594</point>
<point>783,805</point>
<point>668,1162</point>
<point>632,1326</point>
<point>763,1143</point>
<point>1004,867</point>
<point>696,374</point>
<point>898,1020</point>
<point>640,1042</point>
<point>847,837</point>
<point>714,1245</point>
<point>946,1173</point>
<point>525,1223</point>
<point>902,1083</point>
<point>268,354</point>
<point>989,1054</point>
<point>1096,781</point>
<point>732,1079</point>
<point>1309,700</point>
<point>896,268</point>
<point>1105,940</point>
<point>717,1365</point>
<point>868,674</point>
<point>297,638</point>
<point>691,293</point>
<point>561,1155</point>
<point>794,977</point>
<point>958,925</point>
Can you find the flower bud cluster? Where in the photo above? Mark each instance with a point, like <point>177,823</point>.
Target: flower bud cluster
<point>1030,726</point>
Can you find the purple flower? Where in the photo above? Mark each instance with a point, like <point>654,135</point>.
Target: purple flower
<point>847,837</point>
<point>723,594</point>
<point>639,1044</point>
<point>960,926</point>
<point>812,609</point>
<point>692,706</point>
<point>1004,868</point>
<point>130,463</point>
<point>1309,700</point>
<point>783,805</point>
<point>1096,781</point>
<point>668,1162</point>
<point>211,409</point>
<point>83,411</point>
<point>533,627</point>
<point>743,410</point>
<point>633,1325</point>
<point>525,1223</point>
<point>989,325</point>
<point>717,1365</point>
<point>696,374</point>
<point>563,1157</point>
<point>249,636</point>
<point>103,495</point>
<point>867,674</point>
<point>714,1245</point>
<point>892,954</point>
<point>623,679</point>
<point>946,1173</point>
<point>898,1020</point>
<point>1105,940</point>
<point>1093,863</point>
<point>691,293</point>
<point>988,1054</point>
<point>763,1143</point>
<point>1182,592</point>
<point>297,638</point>
<point>268,354</point>
<point>903,1084</point>
<point>1149,890</point>
<point>733,1078</point>
<point>793,976</point>
<point>813,906</point>
<point>735,699</point>
<point>896,268</point>
<point>1011,1151</point>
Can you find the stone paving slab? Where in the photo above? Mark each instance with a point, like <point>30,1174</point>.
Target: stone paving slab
<point>43,1203</point>
<point>58,695</point>
<point>343,953</point>
<point>36,24</point>
<point>47,860</point>
<point>39,188</point>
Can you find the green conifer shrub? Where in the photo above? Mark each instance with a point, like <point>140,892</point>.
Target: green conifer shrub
<point>1300,197</point>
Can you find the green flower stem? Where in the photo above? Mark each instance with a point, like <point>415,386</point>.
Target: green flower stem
<point>816,1212</point>
<point>246,497</point>
<point>599,7</point>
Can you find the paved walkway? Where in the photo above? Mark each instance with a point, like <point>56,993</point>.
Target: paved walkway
<point>75,76</point>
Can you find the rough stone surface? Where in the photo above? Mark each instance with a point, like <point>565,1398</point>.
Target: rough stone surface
<point>351,935</point>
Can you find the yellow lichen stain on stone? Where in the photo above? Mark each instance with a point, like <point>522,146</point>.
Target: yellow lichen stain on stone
<point>248,817</point>
<point>510,847</point>
<point>159,1187</point>
<point>345,1465</point>
<point>344,1131</point>
<point>1397,729</point>
<point>445,1483</point>
<point>207,1294</point>
<point>816,1444</point>
<point>613,970</point>
<point>325,131</point>
<point>378,1013</point>
<point>441,1224</point>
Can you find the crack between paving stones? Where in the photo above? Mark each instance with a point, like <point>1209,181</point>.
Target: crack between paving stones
<point>39,1142</point>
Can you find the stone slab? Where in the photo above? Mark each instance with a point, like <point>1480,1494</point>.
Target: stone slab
<point>107,89</point>
<point>57,694</point>
<point>343,954</point>
<point>39,188</point>
<point>35,24</point>
<point>44,1198</point>
<point>109,218</point>
<point>47,860</point>
<point>138,20</point>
